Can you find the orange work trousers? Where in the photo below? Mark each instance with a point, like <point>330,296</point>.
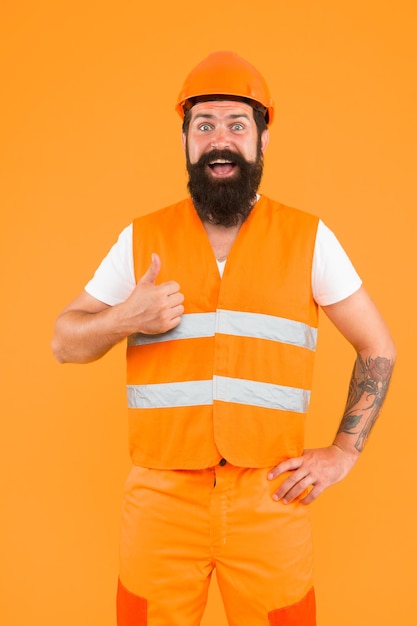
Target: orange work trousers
<point>177,526</point>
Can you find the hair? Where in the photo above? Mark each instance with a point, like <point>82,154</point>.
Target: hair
<point>259,113</point>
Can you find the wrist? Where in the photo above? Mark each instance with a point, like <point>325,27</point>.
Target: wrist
<point>350,454</point>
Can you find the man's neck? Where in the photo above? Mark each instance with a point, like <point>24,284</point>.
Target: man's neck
<point>221,238</point>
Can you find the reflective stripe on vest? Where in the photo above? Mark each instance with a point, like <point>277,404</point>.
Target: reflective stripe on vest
<point>225,389</point>
<point>236,323</point>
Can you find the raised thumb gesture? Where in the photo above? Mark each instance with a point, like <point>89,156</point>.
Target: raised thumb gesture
<point>152,309</point>
<point>152,272</point>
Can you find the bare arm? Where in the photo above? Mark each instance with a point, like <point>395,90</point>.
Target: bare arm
<point>371,372</point>
<point>87,328</point>
<point>360,322</point>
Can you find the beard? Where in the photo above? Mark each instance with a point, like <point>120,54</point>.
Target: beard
<point>224,201</point>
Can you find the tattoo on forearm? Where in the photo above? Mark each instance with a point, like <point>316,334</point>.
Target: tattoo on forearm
<point>367,390</point>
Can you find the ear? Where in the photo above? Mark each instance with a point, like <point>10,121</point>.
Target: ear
<point>264,140</point>
<point>184,141</point>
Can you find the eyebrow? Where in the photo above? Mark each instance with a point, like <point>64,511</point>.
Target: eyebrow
<point>210,116</point>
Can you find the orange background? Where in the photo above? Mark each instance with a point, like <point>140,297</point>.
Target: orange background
<point>89,139</point>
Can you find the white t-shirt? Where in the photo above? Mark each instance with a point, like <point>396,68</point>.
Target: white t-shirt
<point>333,275</point>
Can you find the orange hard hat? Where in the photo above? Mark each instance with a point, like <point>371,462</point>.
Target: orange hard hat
<point>225,74</point>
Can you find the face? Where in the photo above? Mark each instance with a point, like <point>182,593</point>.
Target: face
<point>223,125</point>
<point>224,161</point>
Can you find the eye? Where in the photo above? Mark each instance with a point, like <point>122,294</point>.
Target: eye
<point>204,127</point>
<point>238,126</point>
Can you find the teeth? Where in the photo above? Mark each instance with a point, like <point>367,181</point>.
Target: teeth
<point>220,161</point>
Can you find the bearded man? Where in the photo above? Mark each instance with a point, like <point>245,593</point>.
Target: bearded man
<point>218,298</point>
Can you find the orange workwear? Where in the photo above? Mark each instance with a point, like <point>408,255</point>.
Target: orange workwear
<point>226,73</point>
<point>177,526</point>
<point>233,379</point>
<point>213,404</point>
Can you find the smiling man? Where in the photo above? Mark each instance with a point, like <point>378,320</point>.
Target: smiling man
<point>218,297</point>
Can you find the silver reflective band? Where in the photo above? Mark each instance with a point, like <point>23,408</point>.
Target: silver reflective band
<point>166,395</point>
<point>257,325</point>
<point>192,326</point>
<point>268,327</point>
<point>203,392</point>
<point>261,394</point>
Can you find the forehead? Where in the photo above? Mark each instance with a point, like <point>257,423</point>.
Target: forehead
<point>221,109</point>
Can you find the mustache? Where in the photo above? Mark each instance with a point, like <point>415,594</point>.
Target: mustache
<point>215,155</point>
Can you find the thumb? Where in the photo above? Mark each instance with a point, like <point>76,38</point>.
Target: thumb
<point>153,270</point>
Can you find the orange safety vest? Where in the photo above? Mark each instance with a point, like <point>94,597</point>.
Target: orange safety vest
<point>233,380</point>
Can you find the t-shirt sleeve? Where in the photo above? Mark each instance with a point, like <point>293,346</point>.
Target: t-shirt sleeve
<point>333,278</point>
<point>114,279</point>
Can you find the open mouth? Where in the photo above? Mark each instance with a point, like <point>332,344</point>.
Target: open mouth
<point>222,167</point>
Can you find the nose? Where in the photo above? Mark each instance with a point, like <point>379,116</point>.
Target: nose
<point>220,139</point>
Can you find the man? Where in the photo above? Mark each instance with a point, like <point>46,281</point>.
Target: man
<point>218,298</point>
